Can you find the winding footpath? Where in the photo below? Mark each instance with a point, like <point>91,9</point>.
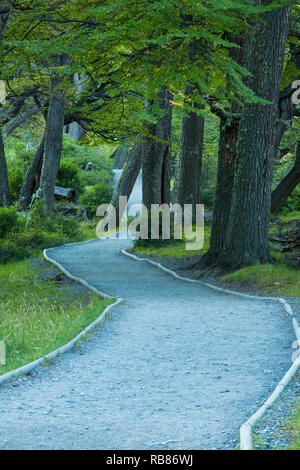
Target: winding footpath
<point>175,366</point>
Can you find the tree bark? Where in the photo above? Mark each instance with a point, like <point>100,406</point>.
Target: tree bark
<point>286,107</point>
<point>156,158</point>
<point>32,178</point>
<point>229,128</point>
<point>5,196</point>
<point>223,195</point>
<point>189,165</point>
<point>20,119</point>
<point>120,156</point>
<point>246,240</point>
<point>129,175</point>
<point>287,185</point>
<point>53,143</point>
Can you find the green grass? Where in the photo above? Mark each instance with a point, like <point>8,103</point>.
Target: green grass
<point>272,279</point>
<point>88,230</point>
<point>290,216</point>
<point>175,249</point>
<point>294,430</point>
<point>37,316</point>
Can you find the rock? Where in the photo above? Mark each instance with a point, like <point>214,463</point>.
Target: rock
<point>84,215</point>
<point>89,166</point>
<point>51,275</point>
<point>65,193</point>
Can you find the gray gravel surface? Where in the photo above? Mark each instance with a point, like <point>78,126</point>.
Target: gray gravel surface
<point>176,366</point>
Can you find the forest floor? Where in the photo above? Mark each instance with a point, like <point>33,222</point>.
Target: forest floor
<point>176,366</point>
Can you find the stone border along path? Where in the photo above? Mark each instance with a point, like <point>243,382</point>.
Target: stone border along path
<point>175,367</point>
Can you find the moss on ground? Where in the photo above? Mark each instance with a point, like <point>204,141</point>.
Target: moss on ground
<point>173,249</point>
<point>272,279</point>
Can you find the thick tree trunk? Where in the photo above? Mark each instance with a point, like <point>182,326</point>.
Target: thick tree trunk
<point>53,143</point>
<point>223,195</point>
<point>189,165</point>
<point>247,235</point>
<point>156,158</point>
<point>129,175</point>
<point>32,178</point>
<point>5,196</point>
<point>287,185</point>
<point>120,156</point>
<point>229,127</point>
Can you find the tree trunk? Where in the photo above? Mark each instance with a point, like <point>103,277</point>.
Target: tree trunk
<point>287,185</point>
<point>189,165</point>
<point>53,143</point>
<point>32,178</point>
<point>20,119</point>
<point>229,128</point>
<point>246,240</point>
<point>5,196</point>
<point>286,107</point>
<point>120,157</point>
<point>156,158</point>
<point>129,175</point>
<point>223,195</point>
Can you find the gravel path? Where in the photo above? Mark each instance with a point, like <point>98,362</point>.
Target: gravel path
<point>176,366</point>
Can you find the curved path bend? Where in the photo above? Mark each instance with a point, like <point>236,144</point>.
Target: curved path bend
<point>176,366</point>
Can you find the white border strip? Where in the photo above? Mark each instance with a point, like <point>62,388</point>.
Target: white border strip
<point>246,440</point>
<point>68,346</point>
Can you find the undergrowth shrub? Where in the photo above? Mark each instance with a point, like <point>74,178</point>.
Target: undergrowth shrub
<point>9,221</point>
<point>207,198</point>
<point>68,176</point>
<point>25,238</point>
<point>92,178</point>
<point>80,155</point>
<point>15,178</point>
<point>95,196</point>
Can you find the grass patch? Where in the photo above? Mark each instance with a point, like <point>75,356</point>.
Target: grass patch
<point>88,230</point>
<point>37,317</point>
<point>290,216</point>
<point>173,249</point>
<point>272,279</point>
<point>294,430</point>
